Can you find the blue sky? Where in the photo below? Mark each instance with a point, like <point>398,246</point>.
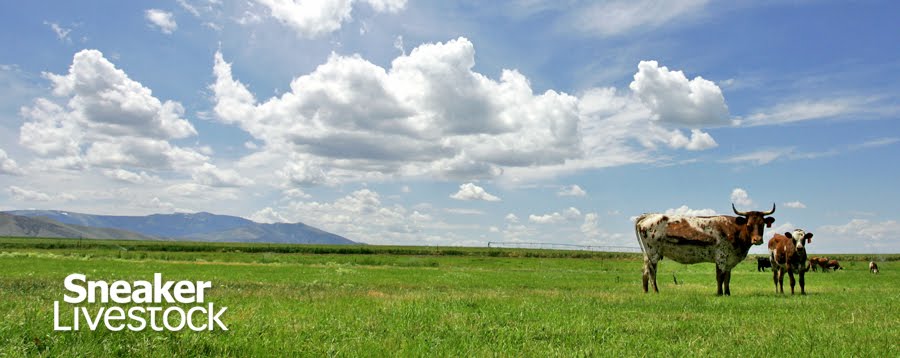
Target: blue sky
<point>459,122</point>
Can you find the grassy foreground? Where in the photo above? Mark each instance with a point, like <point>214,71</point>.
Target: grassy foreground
<point>286,300</point>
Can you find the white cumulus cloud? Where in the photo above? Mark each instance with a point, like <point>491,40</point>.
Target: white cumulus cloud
<point>591,226</point>
<point>9,166</point>
<point>795,205</point>
<point>470,191</point>
<point>363,216</point>
<point>130,177</point>
<point>741,199</point>
<point>429,113</point>
<point>113,103</point>
<point>300,173</point>
<point>295,193</point>
<point>29,195</point>
<point>699,141</point>
<point>864,229</point>
<point>672,98</point>
<point>158,206</point>
<point>860,235</point>
<point>209,174</point>
<point>163,20</point>
<point>685,210</point>
<point>315,18</point>
<point>310,18</point>
<point>267,215</point>
<point>108,120</point>
<point>569,214</point>
<point>573,190</point>
<point>387,5</point>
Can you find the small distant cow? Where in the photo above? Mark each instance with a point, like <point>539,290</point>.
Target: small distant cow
<point>762,263</point>
<point>813,263</point>
<point>873,267</point>
<point>788,253</point>
<point>823,263</point>
<point>834,265</point>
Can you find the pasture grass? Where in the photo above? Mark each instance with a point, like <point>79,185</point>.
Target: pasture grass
<point>472,302</point>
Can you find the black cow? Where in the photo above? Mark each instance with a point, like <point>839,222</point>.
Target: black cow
<point>762,263</point>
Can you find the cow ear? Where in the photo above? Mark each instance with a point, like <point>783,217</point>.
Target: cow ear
<point>788,234</point>
<point>740,220</point>
<point>769,221</point>
<point>808,237</point>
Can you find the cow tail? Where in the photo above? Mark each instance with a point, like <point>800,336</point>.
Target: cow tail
<point>637,234</point>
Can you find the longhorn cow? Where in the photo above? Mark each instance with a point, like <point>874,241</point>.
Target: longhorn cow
<point>723,240</point>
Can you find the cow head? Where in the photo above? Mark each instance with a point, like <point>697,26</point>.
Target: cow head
<point>799,236</point>
<point>754,222</point>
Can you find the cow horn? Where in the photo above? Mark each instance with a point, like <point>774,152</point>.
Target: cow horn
<point>741,213</point>
<point>769,212</point>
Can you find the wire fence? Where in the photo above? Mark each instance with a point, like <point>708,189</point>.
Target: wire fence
<point>558,246</point>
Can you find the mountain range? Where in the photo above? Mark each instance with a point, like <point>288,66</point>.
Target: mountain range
<point>180,226</point>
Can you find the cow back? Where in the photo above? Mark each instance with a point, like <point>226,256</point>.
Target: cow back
<point>781,249</point>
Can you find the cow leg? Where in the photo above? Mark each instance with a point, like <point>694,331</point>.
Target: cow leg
<point>645,279</point>
<point>728,283</point>
<point>802,284</point>
<point>791,274</point>
<point>780,280</point>
<point>723,277</point>
<point>653,276</point>
<point>719,279</point>
<point>645,274</point>
<point>650,264</point>
<point>775,278</point>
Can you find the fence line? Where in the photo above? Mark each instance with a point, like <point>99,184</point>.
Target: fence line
<point>558,246</point>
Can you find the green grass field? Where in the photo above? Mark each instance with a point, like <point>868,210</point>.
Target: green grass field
<point>290,300</point>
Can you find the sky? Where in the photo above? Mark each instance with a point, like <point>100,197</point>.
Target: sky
<point>411,122</point>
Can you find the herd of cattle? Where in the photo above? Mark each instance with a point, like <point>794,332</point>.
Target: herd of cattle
<point>726,240</point>
<point>814,264</point>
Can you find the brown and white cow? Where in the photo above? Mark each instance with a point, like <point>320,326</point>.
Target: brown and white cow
<point>834,265</point>
<point>873,267</point>
<point>788,254</point>
<point>723,240</point>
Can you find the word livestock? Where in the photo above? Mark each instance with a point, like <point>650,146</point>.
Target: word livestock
<point>137,318</point>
